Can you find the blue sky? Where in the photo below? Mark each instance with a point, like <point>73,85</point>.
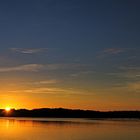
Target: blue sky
<point>74,53</point>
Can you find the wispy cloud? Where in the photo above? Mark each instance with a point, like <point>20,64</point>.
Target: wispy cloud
<point>49,90</point>
<point>129,77</point>
<point>130,71</point>
<point>111,51</point>
<point>38,67</point>
<point>127,72</point>
<point>64,66</point>
<point>80,73</point>
<point>28,67</point>
<point>39,90</point>
<point>129,87</point>
<point>132,68</point>
<point>29,50</point>
<point>44,82</point>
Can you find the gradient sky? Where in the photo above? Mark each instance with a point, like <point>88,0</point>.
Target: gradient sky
<point>70,53</point>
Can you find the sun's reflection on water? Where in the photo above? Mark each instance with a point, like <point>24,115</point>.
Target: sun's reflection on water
<point>55,129</point>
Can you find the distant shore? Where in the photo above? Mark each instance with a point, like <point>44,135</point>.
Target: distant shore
<point>69,113</point>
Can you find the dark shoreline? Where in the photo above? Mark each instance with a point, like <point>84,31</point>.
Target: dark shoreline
<point>69,113</point>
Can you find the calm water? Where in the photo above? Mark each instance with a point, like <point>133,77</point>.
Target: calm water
<point>68,129</point>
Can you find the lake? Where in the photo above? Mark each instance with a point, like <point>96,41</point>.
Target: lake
<point>68,129</point>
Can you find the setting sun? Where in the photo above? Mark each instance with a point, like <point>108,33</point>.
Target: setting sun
<point>7,109</point>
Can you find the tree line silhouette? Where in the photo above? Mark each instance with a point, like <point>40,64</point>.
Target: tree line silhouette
<point>68,113</point>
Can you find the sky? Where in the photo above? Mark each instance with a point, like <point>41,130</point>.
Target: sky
<point>70,53</point>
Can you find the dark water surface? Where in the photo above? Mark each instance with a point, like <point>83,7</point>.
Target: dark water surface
<point>68,129</point>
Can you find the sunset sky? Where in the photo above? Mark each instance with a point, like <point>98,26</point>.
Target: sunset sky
<point>70,53</point>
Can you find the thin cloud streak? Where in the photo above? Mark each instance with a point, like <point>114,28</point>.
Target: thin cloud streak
<point>38,82</point>
<point>28,67</point>
<point>49,90</point>
<point>29,50</point>
<point>38,67</point>
<point>111,51</point>
<point>129,87</point>
<point>64,66</point>
<point>130,71</point>
<point>81,73</point>
<point>43,82</point>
